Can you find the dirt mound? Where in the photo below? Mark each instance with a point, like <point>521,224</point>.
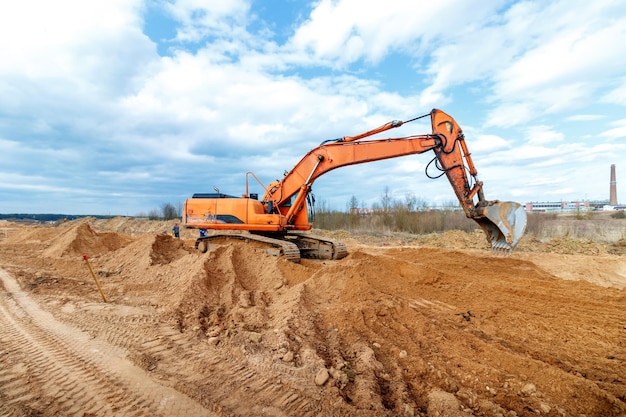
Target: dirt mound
<point>166,249</point>
<point>456,239</point>
<point>435,317</point>
<point>134,227</point>
<point>82,239</point>
<point>29,234</point>
<point>236,287</point>
<point>564,246</point>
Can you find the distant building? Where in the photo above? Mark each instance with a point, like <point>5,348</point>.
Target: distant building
<point>559,206</point>
<point>570,206</point>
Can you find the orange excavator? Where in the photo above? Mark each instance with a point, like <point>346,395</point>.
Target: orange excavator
<point>280,220</point>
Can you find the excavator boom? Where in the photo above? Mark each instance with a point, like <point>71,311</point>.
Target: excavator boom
<point>283,208</point>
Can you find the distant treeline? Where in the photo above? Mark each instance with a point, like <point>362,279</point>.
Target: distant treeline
<point>23,217</point>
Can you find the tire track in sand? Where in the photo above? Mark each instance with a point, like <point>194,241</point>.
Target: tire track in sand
<point>218,379</point>
<point>49,368</point>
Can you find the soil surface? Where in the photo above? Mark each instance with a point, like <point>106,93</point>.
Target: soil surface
<point>404,326</point>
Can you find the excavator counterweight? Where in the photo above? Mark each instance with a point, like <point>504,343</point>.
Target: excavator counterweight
<point>281,218</point>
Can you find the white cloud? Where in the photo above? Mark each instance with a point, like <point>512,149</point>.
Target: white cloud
<point>617,95</point>
<point>584,117</point>
<point>487,143</point>
<point>202,18</point>
<point>565,70</point>
<point>345,31</point>
<point>618,132</point>
<point>543,135</point>
<point>67,39</point>
<point>64,64</point>
<point>545,55</point>
<point>510,114</point>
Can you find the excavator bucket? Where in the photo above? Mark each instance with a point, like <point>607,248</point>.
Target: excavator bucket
<point>504,223</point>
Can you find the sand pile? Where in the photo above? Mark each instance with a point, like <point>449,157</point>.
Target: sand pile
<point>241,291</point>
<point>82,239</point>
<point>30,235</point>
<point>166,249</point>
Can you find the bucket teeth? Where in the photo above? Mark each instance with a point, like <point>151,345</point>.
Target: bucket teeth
<point>502,248</point>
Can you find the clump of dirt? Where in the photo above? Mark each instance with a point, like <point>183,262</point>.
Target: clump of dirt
<point>166,249</point>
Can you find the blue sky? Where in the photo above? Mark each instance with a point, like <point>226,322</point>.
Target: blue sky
<point>120,106</point>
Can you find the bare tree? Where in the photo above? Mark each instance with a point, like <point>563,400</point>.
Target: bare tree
<point>353,203</point>
<point>169,211</point>
<point>386,200</point>
<point>422,203</point>
<point>410,201</point>
<point>154,214</point>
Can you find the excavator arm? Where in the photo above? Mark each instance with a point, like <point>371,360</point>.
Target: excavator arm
<point>502,222</point>
<point>331,156</point>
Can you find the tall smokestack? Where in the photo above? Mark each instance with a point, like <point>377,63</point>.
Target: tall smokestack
<point>613,195</point>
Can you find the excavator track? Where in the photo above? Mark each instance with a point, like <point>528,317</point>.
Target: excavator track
<point>292,246</point>
<point>317,247</point>
<point>289,250</point>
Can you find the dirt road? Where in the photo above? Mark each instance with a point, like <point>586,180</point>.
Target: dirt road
<point>433,327</point>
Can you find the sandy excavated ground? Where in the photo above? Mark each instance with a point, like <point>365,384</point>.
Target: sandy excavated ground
<point>404,326</point>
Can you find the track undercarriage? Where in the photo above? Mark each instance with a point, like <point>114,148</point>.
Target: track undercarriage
<point>293,246</point>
